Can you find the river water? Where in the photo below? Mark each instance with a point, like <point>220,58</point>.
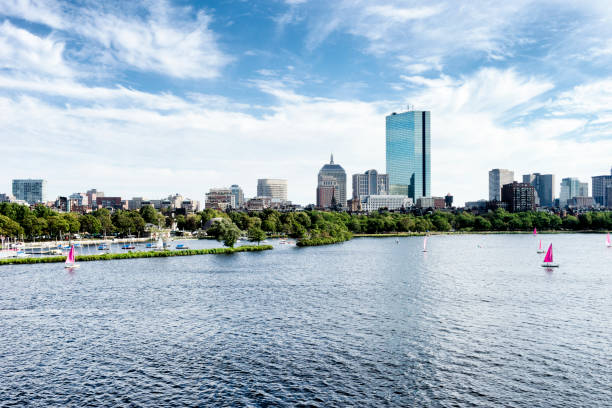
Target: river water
<point>475,321</point>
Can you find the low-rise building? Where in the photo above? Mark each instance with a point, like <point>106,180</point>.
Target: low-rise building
<point>190,206</point>
<point>111,203</point>
<point>390,202</point>
<point>431,202</point>
<point>581,202</point>
<point>6,198</point>
<point>258,203</point>
<point>219,199</point>
<point>478,204</point>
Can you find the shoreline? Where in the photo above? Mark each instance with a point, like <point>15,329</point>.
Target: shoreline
<point>139,254</point>
<point>421,234</point>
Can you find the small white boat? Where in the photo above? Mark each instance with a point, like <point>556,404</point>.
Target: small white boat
<point>4,254</point>
<point>540,249</point>
<point>608,242</point>
<point>548,259</point>
<point>425,244</point>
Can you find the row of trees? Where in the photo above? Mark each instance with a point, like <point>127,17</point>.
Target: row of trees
<point>41,222</point>
<point>20,221</point>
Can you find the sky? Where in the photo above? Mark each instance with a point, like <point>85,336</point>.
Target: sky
<point>159,97</point>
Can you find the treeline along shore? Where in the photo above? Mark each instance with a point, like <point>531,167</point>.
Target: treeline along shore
<point>308,227</point>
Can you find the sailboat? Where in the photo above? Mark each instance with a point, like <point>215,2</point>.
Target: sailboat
<point>540,249</point>
<point>548,259</point>
<point>535,231</point>
<point>70,261</point>
<point>425,244</point>
<point>160,244</point>
<point>608,243</point>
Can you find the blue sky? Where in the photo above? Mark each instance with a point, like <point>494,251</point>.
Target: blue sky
<point>156,97</point>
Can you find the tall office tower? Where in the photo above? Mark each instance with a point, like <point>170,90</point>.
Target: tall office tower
<point>599,185</point>
<point>336,172</point>
<point>238,195</point>
<point>497,179</point>
<point>273,188</point>
<point>572,187</point>
<point>519,196</point>
<point>408,153</point>
<point>33,191</point>
<point>545,187</point>
<point>370,183</point>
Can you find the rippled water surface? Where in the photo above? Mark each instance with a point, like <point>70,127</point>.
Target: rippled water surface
<point>473,322</point>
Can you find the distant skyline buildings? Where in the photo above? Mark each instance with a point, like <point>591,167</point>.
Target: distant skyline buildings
<point>238,195</point>
<point>497,179</point>
<point>276,189</point>
<point>519,196</point>
<point>572,187</point>
<point>370,183</point>
<point>544,185</point>
<point>331,184</point>
<point>602,189</point>
<point>32,191</point>
<point>408,153</point>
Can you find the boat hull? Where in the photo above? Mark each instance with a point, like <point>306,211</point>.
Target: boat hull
<point>72,266</point>
<point>550,265</point>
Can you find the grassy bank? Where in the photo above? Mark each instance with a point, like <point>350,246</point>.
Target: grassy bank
<point>323,240</point>
<point>131,255</point>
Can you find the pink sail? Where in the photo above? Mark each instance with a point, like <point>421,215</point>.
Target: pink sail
<point>535,231</point>
<point>425,244</point>
<point>70,258</point>
<point>608,243</point>
<point>540,247</point>
<point>549,255</point>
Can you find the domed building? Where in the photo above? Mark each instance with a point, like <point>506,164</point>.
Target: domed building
<point>331,185</point>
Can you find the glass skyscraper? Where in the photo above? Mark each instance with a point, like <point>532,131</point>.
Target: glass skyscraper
<point>30,190</point>
<point>409,154</point>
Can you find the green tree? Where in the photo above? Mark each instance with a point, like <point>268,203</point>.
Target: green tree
<point>122,222</point>
<point>150,215</point>
<point>138,223</point>
<point>226,231</point>
<point>90,224</point>
<point>73,222</point>
<point>256,234</point>
<point>192,222</point>
<point>9,227</point>
<point>57,226</point>
<point>106,223</point>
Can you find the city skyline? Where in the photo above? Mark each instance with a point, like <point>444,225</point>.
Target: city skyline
<point>144,98</point>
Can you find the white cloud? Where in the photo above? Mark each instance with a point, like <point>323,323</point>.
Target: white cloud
<point>23,52</point>
<point>159,43</point>
<point>159,39</point>
<point>47,12</point>
<point>401,15</point>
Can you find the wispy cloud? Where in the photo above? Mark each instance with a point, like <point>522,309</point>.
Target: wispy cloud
<point>48,12</point>
<point>24,53</point>
<point>155,37</point>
